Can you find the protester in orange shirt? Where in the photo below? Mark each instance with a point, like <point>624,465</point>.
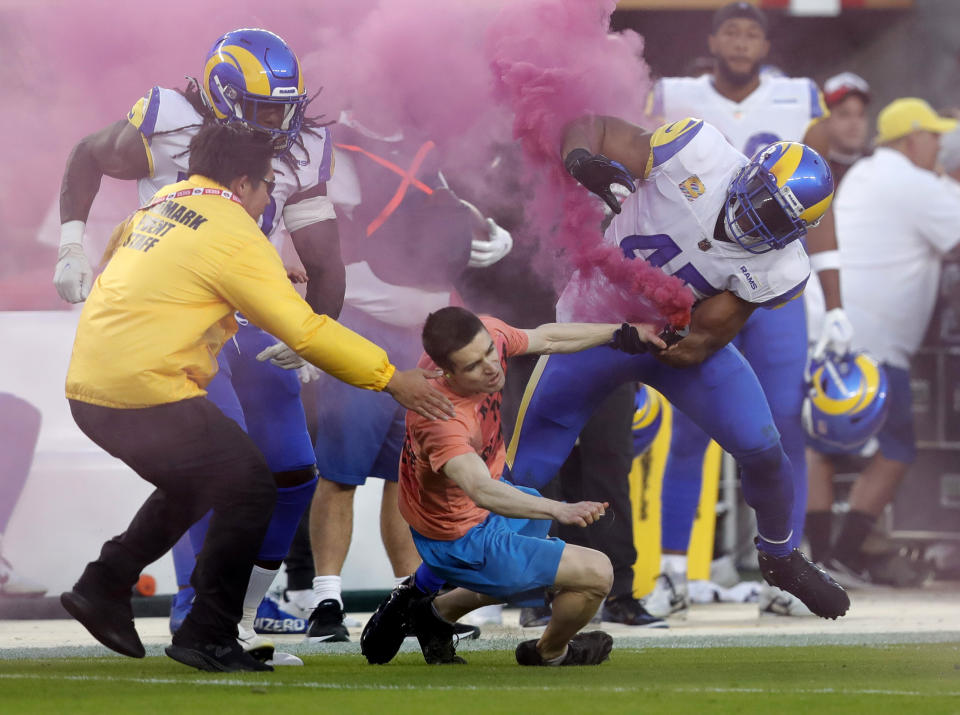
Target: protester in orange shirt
<point>472,527</point>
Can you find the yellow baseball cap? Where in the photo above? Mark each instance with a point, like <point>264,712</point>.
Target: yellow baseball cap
<point>909,114</point>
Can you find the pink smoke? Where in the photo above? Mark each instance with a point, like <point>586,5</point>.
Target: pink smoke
<point>555,61</point>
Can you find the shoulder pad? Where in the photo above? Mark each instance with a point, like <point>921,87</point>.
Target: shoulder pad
<point>670,139</point>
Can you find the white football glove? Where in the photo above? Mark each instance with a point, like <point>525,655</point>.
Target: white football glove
<point>836,334</point>
<point>282,356</point>
<point>73,276</point>
<point>486,252</point>
<point>308,373</point>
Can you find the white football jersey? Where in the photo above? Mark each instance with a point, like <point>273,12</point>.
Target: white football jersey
<point>167,122</point>
<point>780,109</point>
<point>670,222</point>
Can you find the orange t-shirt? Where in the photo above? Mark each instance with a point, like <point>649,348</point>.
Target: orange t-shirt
<point>429,500</point>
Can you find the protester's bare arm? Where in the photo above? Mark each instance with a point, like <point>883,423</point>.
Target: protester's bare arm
<point>471,474</point>
<point>573,337</point>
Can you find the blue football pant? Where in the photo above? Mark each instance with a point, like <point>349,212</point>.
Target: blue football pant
<point>721,395</point>
<point>774,342</point>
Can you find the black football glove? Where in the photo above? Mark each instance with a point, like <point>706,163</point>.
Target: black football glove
<point>596,172</point>
<point>626,339</point>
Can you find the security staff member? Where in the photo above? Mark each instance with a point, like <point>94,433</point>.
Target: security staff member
<point>146,346</point>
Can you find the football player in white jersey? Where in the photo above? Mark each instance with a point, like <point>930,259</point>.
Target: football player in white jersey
<point>255,384</point>
<point>729,228</point>
<point>752,109</point>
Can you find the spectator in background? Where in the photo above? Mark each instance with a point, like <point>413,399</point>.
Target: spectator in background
<point>894,223</point>
<point>847,96</point>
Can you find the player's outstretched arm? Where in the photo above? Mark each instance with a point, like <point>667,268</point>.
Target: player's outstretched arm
<point>116,151</point>
<point>573,337</point>
<point>471,474</point>
<point>715,322</point>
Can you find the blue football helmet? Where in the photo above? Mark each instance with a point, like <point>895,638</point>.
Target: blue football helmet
<point>846,402</point>
<point>251,76</point>
<point>785,189</point>
<point>647,418</point>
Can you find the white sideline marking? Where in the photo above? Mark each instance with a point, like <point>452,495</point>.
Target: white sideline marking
<point>519,688</point>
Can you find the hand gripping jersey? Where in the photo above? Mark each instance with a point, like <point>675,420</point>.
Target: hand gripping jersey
<point>670,223</point>
<point>167,122</point>
<point>781,108</point>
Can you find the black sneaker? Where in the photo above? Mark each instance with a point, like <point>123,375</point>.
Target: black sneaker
<point>434,634</point>
<point>630,612</point>
<point>795,574</point>
<point>383,634</point>
<point>534,616</point>
<point>326,623</point>
<point>214,657</point>
<point>590,648</point>
<point>108,617</point>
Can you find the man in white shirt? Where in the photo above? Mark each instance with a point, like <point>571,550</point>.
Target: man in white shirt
<point>895,220</point>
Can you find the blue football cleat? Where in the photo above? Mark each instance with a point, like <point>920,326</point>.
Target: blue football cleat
<point>271,618</point>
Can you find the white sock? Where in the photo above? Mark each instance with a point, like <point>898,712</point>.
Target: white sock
<point>327,587</point>
<point>259,584</point>
<point>674,563</point>
<point>559,659</point>
<point>397,580</point>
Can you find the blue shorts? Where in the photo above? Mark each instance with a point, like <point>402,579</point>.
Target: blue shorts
<point>360,432</point>
<point>498,557</point>
<point>896,437</point>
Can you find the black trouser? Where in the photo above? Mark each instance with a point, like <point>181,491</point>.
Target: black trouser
<point>199,460</point>
<point>598,469</point>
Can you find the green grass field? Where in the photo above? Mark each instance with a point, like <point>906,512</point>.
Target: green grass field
<point>902,679</point>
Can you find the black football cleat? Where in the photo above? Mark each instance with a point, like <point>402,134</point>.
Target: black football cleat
<point>435,635</point>
<point>326,623</point>
<point>630,612</point>
<point>795,574</point>
<point>383,634</point>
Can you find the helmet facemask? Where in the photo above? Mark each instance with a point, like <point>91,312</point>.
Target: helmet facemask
<point>759,215</point>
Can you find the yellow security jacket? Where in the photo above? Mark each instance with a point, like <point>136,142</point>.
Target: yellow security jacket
<point>159,313</point>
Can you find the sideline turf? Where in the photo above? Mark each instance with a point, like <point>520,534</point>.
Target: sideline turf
<point>902,679</point>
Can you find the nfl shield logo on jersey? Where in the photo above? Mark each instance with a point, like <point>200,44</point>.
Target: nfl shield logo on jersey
<point>692,188</point>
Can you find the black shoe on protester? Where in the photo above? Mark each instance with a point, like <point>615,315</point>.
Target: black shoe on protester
<point>225,657</point>
<point>383,634</point>
<point>795,574</point>
<point>434,634</point>
<point>630,612</point>
<point>591,648</point>
<point>108,617</point>
<point>326,623</point>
